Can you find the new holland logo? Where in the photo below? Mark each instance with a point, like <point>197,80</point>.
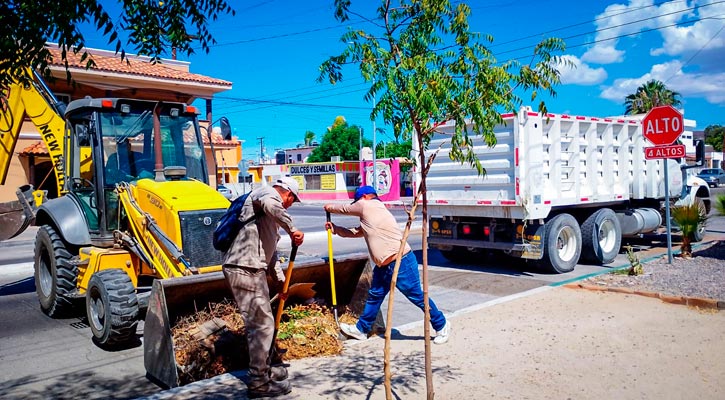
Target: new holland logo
<point>206,221</point>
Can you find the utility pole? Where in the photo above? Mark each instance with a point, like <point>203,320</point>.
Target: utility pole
<point>261,149</point>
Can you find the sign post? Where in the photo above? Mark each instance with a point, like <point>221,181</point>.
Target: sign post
<point>662,126</point>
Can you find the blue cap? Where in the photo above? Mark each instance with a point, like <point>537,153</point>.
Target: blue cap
<point>362,191</point>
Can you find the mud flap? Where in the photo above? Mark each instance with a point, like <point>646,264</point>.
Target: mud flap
<point>173,298</point>
<point>16,216</point>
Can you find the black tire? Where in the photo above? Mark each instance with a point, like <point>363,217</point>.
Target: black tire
<point>601,237</point>
<point>55,275</point>
<point>562,244</point>
<point>112,308</point>
<point>699,235</point>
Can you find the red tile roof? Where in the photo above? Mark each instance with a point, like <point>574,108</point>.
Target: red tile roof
<point>36,149</point>
<point>134,66</point>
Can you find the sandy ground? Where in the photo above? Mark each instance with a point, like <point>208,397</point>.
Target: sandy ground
<point>553,343</point>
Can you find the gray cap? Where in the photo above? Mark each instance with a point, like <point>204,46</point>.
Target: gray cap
<point>290,184</point>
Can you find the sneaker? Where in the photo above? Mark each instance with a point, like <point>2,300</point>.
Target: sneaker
<point>442,335</point>
<point>269,389</point>
<point>278,373</point>
<point>352,331</point>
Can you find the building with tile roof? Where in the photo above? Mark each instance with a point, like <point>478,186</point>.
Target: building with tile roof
<point>134,77</point>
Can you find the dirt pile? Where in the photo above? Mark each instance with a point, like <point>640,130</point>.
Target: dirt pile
<point>213,341</point>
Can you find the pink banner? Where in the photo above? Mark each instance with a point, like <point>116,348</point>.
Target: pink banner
<point>387,182</point>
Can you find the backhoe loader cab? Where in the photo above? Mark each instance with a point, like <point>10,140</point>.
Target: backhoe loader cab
<point>137,207</point>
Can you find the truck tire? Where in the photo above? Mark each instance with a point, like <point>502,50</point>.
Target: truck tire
<point>112,308</point>
<point>562,244</point>
<point>702,210</point>
<point>55,274</point>
<point>601,237</point>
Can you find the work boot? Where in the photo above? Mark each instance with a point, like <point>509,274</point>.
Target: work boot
<point>278,373</point>
<point>352,331</point>
<point>269,389</point>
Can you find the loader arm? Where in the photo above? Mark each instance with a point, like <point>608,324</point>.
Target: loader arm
<point>37,103</point>
<point>165,258</point>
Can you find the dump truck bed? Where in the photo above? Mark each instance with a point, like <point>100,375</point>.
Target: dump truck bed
<point>541,162</point>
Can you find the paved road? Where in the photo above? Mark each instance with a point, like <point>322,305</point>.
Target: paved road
<point>46,358</point>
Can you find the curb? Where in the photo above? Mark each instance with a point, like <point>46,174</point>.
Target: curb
<point>699,302</point>
<point>710,304</point>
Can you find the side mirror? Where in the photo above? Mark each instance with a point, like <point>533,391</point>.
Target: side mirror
<point>83,135</point>
<point>700,152</point>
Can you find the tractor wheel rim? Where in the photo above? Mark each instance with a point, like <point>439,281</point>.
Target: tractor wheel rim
<point>46,278</point>
<point>98,311</point>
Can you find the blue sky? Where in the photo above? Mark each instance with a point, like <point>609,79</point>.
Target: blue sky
<point>271,51</point>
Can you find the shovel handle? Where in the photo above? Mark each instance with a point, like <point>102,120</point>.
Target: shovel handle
<point>332,267</point>
<point>285,287</point>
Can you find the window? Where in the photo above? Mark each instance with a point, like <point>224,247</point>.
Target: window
<point>299,157</point>
<point>312,182</point>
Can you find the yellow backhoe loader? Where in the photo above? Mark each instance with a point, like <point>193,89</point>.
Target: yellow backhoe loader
<point>133,220</point>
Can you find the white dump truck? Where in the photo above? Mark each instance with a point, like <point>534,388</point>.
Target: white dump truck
<point>557,188</point>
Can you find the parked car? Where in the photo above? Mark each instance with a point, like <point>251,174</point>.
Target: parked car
<point>225,191</point>
<point>713,176</point>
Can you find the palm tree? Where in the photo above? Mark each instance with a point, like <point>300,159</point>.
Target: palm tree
<point>690,218</point>
<point>309,137</point>
<point>650,95</point>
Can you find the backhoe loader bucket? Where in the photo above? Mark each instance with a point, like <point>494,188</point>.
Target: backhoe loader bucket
<point>174,298</point>
<point>17,215</point>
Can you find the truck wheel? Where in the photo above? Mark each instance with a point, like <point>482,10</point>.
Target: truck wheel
<point>112,308</point>
<point>601,237</point>
<point>702,210</point>
<point>563,244</point>
<point>55,275</point>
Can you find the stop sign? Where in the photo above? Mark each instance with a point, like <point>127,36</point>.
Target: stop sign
<point>662,125</point>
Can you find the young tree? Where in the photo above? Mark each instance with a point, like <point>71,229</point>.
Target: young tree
<point>715,136</point>
<point>427,67</point>
<point>650,95</point>
<point>393,149</point>
<point>154,29</point>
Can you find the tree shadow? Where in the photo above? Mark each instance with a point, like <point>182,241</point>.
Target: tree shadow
<point>77,385</point>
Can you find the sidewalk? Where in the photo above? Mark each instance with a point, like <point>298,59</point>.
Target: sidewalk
<point>546,343</point>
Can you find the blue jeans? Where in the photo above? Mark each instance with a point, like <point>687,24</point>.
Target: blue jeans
<point>408,283</point>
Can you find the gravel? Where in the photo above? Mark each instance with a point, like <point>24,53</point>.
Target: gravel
<point>701,276</point>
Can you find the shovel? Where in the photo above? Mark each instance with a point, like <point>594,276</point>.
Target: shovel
<point>332,272</point>
<point>285,288</point>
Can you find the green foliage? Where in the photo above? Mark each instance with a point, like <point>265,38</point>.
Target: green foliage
<point>689,218</point>
<point>426,67</point>
<point>635,265</point>
<point>648,96</point>
<point>153,27</point>
<point>714,136</point>
<point>393,149</point>
<point>340,140</point>
<point>309,137</point>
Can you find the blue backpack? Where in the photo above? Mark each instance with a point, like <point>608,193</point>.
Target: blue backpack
<point>229,224</point>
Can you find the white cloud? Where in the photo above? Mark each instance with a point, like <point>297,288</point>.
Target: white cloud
<point>640,15</point>
<point>580,73</point>
<point>705,34</point>
<point>603,54</point>
<point>708,86</point>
